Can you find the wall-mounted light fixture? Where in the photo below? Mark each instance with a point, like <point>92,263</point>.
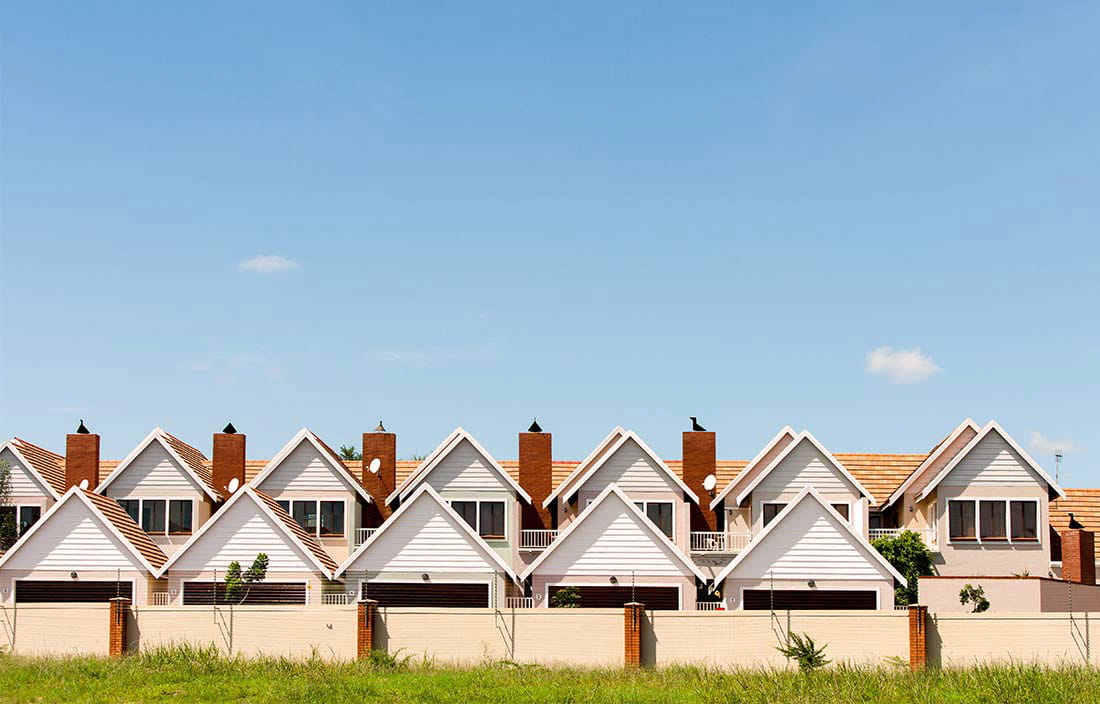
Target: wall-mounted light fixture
<point>424,576</point>
<point>72,575</point>
<point>811,584</point>
<point>614,579</point>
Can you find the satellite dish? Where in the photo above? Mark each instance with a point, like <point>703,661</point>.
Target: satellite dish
<point>84,484</point>
<point>375,465</point>
<point>234,484</point>
<point>709,482</point>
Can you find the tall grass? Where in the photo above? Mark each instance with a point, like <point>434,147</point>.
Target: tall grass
<point>189,673</point>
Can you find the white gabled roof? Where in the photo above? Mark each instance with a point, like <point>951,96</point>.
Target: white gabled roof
<point>807,436</point>
<point>192,465</point>
<point>742,476</point>
<point>16,447</point>
<point>990,427</point>
<point>330,458</point>
<point>613,492</point>
<point>807,494</point>
<point>598,457</point>
<point>427,493</point>
<point>308,545</point>
<point>439,453</point>
<point>931,458</point>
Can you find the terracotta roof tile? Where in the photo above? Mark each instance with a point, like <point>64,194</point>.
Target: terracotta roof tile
<point>49,465</point>
<point>310,541</point>
<point>130,530</point>
<point>195,460</point>
<point>1084,504</point>
<point>879,473</point>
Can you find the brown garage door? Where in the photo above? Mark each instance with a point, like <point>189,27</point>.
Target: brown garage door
<point>654,598</point>
<point>435,594</point>
<point>203,593</point>
<point>39,591</point>
<point>794,599</point>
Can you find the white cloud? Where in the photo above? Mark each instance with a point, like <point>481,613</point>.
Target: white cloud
<point>1044,446</point>
<point>487,351</point>
<point>268,264</point>
<point>901,366</point>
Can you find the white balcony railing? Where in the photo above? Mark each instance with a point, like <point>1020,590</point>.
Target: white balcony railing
<point>361,535</point>
<point>161,598</point>
<point>519,602</point>
<point>710,606</point>
<point>719,541</point>
<point>928,536</point>
<point>536,539</point>
<point>334,599</point>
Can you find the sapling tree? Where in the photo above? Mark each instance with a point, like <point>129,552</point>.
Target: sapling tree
<point>909,556</point>
<point>237,582</point>
<point>803,650</point>
<point>975,596</point>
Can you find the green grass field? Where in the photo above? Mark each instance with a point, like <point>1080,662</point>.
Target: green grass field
<point>195,675</point>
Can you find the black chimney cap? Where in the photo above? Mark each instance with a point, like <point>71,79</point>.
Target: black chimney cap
<point>535,427</point>
<point>381,428</point>
<point>229,429</point>
<point>83,429</point>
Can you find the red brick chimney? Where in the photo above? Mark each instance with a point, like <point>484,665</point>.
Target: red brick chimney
<point>699,462</point>
<point>536,468</point>
<point>228,459</point>
<point>382,446</point>
<point>82,458</point>
<point>1078,556</point>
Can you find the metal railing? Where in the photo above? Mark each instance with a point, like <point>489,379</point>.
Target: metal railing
<point>710,606</point>
<point>719,541</point>
<point>335,599</point>
<point>161,598</point>
<point>519,602</point>
<point>536,539</point>
<point>928,536</point>
<point>361,535</point>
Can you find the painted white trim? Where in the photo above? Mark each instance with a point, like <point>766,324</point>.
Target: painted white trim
<point>433,495</point>
<point>1007,501</point>
<point>736,481</point>
<point>167,512</point>
<point>824,503</point>
<point>679,589</point>
<point>581,468</point>
<point>439,453</point>
<point>250,492</point>
<point>303,435</point>
<point>19,509</point>
<point>609,490</point>
<point>156,434</point>
<point>347,515</point>
<point>14,449</point>
<point>804,435</point>
<point>991,426</point>
<point>932,457</point>
<point>477,528</point>
<point>645,511</point>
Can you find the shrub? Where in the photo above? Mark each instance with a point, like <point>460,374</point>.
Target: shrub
<point>566,598</point>
<point>909,556</point>
<point>970,594</point>
<point>803,650</point>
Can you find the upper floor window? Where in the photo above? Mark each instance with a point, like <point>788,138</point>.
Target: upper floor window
<point>993,520</point>
<point>771,511</point>
<point>324,519</point>
<point>161,516</point>
<point>842,509</point>
<point>23,517</point>
<point>485,517</point>
<point>660,512</point>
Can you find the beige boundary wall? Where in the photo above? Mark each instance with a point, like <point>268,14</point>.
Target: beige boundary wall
<point>1052,639</point>
<point>55,629</point>
<point>1010,594</point>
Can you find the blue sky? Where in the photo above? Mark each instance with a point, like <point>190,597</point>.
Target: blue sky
<point>472,214</point>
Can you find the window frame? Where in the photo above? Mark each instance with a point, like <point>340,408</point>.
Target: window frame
<point>764,522</point>
<point>643,506</point>
<point>18,510</point>
<point>477,517</point>
<point>316,532</point>
<point>976,501</point>
<point>847,515</point>
<point>167,508</point>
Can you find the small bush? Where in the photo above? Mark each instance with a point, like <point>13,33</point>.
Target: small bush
<point>970,594</point>
<point>803,650</point>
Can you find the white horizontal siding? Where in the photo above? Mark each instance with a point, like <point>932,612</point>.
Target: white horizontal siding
<point>633,470</point>
<point>805,466</point>
<point>240,533</point>
<point>612,541</point>
<point>992,461</point>
<point>808,544</point>
<point>465,469</point>
<point>154,472</point>
<point>23,482</point>
<point>73,539</point>
<point>304,469</point>
<point>423,539</point>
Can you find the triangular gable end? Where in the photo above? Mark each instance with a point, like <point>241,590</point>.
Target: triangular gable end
<point>311,440</point>
<point>613,508</point>
<point>581,469</point>
<point>430,526</point>
<point>158,436</point>
<point>763,458</point>
<point>809,540</point>
<point>627,438</point>
<point>936,456</point>
<point>440,453</point>
<point>27,467</point>
<point>803,437</point>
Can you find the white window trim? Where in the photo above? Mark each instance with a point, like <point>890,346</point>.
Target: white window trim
<point>477,517</point>
<point>1038,540</point>
<point>19,508</point>
<point>317,533</point>
<point>167,506</point>
<point>784,504</point>
<point>645,512</point>
<point>851,513</point>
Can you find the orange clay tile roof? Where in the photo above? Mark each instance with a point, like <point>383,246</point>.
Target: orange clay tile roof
<point>310,541</point>
<point>49,465</point>
<point>130,530</point>
<point>194,459</point>
<point>1084,504</point>
<point>879,473</point>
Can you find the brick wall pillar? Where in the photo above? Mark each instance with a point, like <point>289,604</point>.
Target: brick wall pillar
<point>633,614</point>
<point>365,627</point>
<point>1078,556</point>
<point>119,613</point>
<point>918,637</point>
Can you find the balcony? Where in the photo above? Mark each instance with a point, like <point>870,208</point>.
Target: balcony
<point>928,536</point>
<point>710,606</point>
<point>361,535</point>
<point>519,602</point>
<point>161,598</point>
<point>719,541</point>
<point>536,539</point>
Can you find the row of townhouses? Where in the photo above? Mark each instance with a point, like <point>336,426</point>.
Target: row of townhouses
<point>790,528</point>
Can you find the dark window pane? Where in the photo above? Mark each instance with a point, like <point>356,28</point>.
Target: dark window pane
<point>468,511</point>
<point>492,519</point>
<point>152,515</point>
<point>1025,520</point>
<point>960,518</point>
<point>874,521</point>
<point>179,516</point>
<point>842,509</point>
<point>131,507</point>
<point>305,512</point>
<point>660,512</point>
<point>332,518</point>
<point>28,516</point>
<point>285,505</point>
<point>771,511</point>
<point>991,521</point>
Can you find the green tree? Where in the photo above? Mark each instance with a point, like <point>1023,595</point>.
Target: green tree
<point>9,527</point>
<point>348,452</point>
<point>566,598</point>
<point>970,594</point>
<point>236,581</point>
<point>909,556</point>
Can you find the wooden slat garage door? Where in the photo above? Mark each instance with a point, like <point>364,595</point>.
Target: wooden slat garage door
<point>41,591</point>
<point>202,593</point>
<point>654,598</point>
<point>806,599</point>
<point>433,594</point>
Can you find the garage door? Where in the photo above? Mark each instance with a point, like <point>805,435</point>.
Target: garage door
<point>654,598</point>
<point>202,593</point>
<point>794,599</point>
<point>434,594</point>
<point>39,591</point>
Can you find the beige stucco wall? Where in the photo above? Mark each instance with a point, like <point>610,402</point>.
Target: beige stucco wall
<point>1010,595</point>
<point>960,640</point>
<point>55,629</point>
